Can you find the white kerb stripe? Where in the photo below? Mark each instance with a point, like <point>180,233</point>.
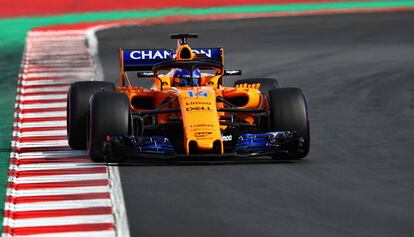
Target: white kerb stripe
<point>58,205</point>
<point>60,178</point>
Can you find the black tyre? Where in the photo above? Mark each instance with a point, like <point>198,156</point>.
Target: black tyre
<point>78,107</point>
<point>266,84</point>
<point>109,115</point>
<point>288,111</point>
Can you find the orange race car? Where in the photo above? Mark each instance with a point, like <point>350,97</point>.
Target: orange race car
<point>187,113</point>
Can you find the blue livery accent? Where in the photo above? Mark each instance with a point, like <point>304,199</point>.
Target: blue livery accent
<point>125,145</point>
<point>201,93</point>
<point>211,53</point>
<point>153,145</point>
<point>266,142</point>
<point>144,59</point>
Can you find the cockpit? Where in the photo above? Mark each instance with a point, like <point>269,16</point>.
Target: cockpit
<point>188,73</point>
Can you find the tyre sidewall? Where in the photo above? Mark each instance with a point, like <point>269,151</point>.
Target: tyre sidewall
<point>109,116</point>
<point>289,111</point>
<point>77,110</point>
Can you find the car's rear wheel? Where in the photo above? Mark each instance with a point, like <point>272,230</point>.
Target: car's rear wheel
<point>109,116</point>
<point>288,112</point>
<point>78,107</point>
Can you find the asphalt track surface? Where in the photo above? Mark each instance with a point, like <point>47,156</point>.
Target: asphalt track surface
<point>357,71</point>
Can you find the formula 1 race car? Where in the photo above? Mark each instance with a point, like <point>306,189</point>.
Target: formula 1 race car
<point>187,113</point>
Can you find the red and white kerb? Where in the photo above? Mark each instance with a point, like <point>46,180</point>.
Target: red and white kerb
<point>53,190</point>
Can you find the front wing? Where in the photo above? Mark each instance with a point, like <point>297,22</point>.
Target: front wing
<point>279,143</point>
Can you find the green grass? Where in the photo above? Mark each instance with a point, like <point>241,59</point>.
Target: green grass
<point>13,32</point>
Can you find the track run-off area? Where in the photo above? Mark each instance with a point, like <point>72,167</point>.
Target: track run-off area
<point>355,182</point>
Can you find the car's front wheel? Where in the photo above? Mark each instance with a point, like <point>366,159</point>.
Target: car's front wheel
<point>289,112</point>
<point>109,115</point>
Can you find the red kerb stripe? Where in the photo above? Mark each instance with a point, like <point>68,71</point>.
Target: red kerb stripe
<point>26,102</point>
<point>40,138</point>
<point>45,78</point>
<point>40,119</point>
<point>40,110</point>
<point>44,93</point>
<point>54,198</point>
<point>26,161</point>
<point>66,184</point>
<point>39,129</point>
<point>40,148</point>
<point>58,213</point>
<point>44,86</point>
<point>29,173</point>
<point>57,229</point>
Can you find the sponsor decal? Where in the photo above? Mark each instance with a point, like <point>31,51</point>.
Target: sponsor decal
<point>204,138</point>
<point>201,93</point>
<point>198,103</point>
<point>198,108</point>
<point>163,54</point>
<point>150,54</point>
<point>201,125</point>
<point>227,138</point>
<point>198,129</point>
<point>202,134</point>
<point>206,52</point>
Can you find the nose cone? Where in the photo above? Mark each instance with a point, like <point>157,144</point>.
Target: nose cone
<point>200,120</point>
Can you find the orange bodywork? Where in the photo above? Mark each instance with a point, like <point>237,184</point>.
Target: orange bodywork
<point>197,104</point>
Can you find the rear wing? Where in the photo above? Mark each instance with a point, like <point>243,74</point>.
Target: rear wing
<point>145,59</point>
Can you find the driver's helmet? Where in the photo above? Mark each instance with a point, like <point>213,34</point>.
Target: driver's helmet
<point>182,77</point>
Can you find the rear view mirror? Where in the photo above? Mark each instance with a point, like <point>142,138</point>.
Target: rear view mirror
<point>232,72</point>
<point>145,74</point>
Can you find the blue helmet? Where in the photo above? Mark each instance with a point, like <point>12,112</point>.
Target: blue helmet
<point>183,77</point>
